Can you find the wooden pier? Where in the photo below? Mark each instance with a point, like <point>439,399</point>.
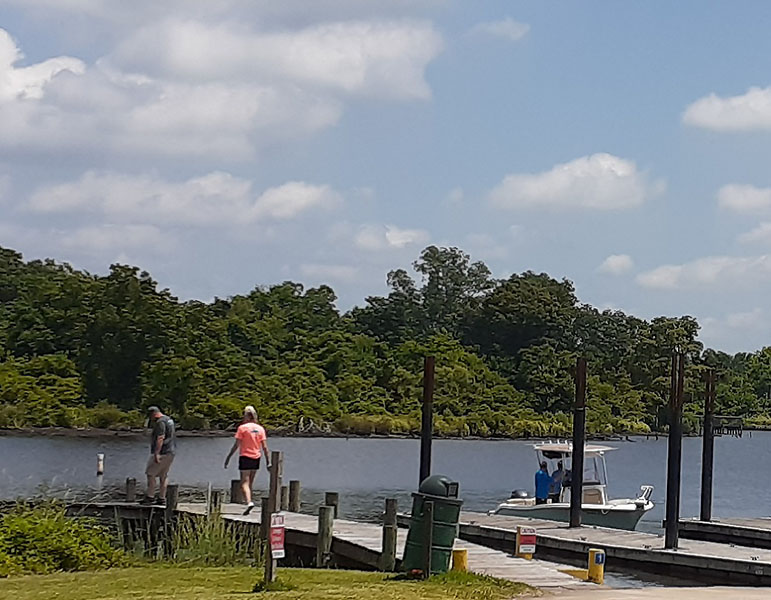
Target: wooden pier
<point>696,560</point>
<point>753,533</point>
<point>359,544</point>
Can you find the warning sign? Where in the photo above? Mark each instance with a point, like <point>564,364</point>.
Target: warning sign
<point>277,535</point>
<point>525,540</point>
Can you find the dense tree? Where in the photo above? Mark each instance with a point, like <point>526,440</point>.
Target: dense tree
<point>78,349</point>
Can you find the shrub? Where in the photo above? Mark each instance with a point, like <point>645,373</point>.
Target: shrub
<point>45,540</point>
<point>213,542</point>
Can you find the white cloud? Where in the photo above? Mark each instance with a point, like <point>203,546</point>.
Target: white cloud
<point>111,238</point>
<point>760,235</point>
<point>713,272</point>
<point>507,28</point>
<point>746,199</point>
<point>598,182</point>
<point>746,112</point>
<point>616,264</point>
<point>378,237</point>
<point>380,58</point>
<point>28,82</point>
<point>742,331</point>
<point>345,273</point>
<point>214,199</point>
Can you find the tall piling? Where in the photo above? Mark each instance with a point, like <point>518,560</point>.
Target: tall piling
<point>708,446</point>
<point>427,417</point>
<point>579,436</point>
<point>674,452</point>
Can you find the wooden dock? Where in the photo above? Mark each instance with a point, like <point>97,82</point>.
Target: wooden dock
<point>361,543</point>
<point>753,533</point>
<point>697,560</point>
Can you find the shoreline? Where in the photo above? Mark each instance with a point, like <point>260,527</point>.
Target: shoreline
<point>139,433</point>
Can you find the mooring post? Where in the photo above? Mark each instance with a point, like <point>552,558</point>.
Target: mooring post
<point>428,547</point>
<point>265,520</point>
<point>131,489</point>
<point>236,493</point>
<point>708,447</point>
<point>100,464</point>
<point>172,497</point>
<point>674,453</point>
<point>579,435</point>
<point>215,501</point>
<point>294,495</point>
<point>388,556</point>
<point>276,471</point>
<point>324,536</point>
<point>427,417</point>
<point>333,499</point>
<point>284,497</point>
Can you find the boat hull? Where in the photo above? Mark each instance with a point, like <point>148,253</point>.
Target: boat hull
<point>614,517</point>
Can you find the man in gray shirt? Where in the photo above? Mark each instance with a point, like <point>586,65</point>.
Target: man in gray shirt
<point>163,445</point>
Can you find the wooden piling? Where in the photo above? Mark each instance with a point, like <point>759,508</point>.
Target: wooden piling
<point>100,464</point>
<point>708,447</point>
<point>333,499</point>
<point>294,495</point>
<point>131,489</point>
<point>674,452</point>
<point>579,436</point>
<point>172,497</point>
<point>428,547</point>
<point>276,470</point>
<point>236,493</point>
<point>324,535</point>
<point>284,497</point>
<point>264,519</point>
<point>387,561</point>
<point>427,418</point>
<point>215,501</point>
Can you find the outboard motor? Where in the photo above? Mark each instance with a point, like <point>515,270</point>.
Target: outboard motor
<point>520,494</point>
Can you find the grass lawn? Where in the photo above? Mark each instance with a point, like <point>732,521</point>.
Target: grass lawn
<point>236,583</point>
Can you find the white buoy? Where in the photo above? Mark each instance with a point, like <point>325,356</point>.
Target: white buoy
<point>100,464</point>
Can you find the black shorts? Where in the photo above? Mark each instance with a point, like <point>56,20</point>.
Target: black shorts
<point>246,463</point>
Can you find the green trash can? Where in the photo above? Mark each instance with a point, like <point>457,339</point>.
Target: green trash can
<point>443,493</point>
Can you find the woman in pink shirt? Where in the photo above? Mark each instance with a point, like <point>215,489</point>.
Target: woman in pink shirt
<point>251,442</point>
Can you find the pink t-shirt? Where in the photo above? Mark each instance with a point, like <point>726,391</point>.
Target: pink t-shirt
<point>250,437</point>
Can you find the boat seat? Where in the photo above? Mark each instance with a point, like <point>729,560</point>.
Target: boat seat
<point>592,496</point>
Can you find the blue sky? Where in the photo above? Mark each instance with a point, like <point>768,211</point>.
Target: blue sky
<point>223,144</point>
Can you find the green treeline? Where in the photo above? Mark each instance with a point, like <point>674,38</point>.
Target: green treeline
<point>79,350</point>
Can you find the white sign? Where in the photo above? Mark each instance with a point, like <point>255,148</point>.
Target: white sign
<point>277,535</point>
<point>526,537</point>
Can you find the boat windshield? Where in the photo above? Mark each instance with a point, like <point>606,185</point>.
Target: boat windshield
<point>595,472</point>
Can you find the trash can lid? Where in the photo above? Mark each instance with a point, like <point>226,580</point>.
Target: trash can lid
<point>439,485</point>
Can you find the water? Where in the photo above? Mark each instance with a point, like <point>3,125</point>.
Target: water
<point>365,471</point>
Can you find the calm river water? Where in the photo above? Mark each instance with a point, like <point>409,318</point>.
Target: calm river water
<point>366,471</point>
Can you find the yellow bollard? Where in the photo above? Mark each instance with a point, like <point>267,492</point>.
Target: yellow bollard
<point>460,560</point>
<point>596,571</point>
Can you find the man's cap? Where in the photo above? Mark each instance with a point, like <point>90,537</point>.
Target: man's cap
<point>152,410</point>
<point>543,463</point>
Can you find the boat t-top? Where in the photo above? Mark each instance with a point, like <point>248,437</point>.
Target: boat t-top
<point>597,508</point>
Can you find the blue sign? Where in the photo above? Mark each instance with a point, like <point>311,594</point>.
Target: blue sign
<point>599,558</point>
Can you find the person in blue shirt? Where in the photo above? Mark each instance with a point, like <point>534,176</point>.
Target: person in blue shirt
<point>542,484</point>
<point>556,483</point>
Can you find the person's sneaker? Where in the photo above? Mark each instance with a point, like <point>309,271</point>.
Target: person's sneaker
<point>159,502</point>
<point>146,501</point>
<point>249,508</point>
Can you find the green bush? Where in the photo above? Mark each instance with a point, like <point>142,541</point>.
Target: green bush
<point>44,540</point>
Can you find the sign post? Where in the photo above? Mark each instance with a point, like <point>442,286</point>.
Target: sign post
<point>526,537</point>
<point>277,535</point>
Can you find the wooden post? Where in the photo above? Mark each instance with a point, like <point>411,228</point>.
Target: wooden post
<point>236,493</point>
<point>215,501</point>
<point>332,499</point>
<point>427,418</point>
<point>276,470</point>
<point>100,464</point>
<point>708,447</point>
<point>324,535</point>
<point>579,435</point>
<point>388,556</point>
<point>294,496</point>
<point>172,496</point>
<point>674,452</point>
<point>264,520</point>
<point>284,497</point>
<point>131,489</point>
<point>428,515</point>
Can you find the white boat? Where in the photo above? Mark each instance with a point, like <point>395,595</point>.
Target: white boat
<point>597,509</point>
